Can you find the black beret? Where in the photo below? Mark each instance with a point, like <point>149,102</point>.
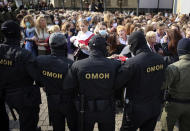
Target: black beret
<point>97,42</point>
<point>57,40</point>
<point>183,46</point>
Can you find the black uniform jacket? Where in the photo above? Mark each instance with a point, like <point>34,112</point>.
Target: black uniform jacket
<point>16,67</point>
<point>94,76</point>
<point>53,69</point>
<point>143,76</point>
<point>17,75</point>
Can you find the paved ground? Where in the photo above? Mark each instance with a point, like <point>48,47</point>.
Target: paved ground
<point>44,121</point>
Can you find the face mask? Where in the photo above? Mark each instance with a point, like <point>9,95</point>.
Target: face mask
<point>114,24</point>
<point>63,21</point>
<point>56,22</point>
<point>28,24</point>
<point>103,32</point>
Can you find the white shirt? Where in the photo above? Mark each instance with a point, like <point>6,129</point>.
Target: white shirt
<point>126,50</point>
<point>122,41</point>
<point>82,36</point>
<point>42,35</point>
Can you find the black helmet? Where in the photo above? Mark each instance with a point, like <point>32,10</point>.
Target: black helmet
<point>11,29</point>
<point>183,47</point>
<point>98,42</point>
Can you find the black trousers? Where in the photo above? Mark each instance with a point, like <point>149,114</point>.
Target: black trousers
<point>145,115</point>
<point>104,119</point>
<point>28,118</point>
<point>110,126</point>
<point>3,117</point>
<point>27,110</point>
<point>148,125</point>
<point>59,119</point>
<point>60,112</point>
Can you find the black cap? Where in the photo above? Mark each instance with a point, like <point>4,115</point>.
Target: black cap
<point>57,41</point>
<point>97,42</point>
<point>183,47</point>
<point>11,29</point>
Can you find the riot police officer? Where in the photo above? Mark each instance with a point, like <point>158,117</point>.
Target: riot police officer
<point>177,107</point>
<point>3,114</point>
<point>53,69</point>
<point>93,80</point>
<point>17,77</point>
<point>143,76</point>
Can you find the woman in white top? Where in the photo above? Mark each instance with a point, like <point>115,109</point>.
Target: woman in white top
<point>42,35</point>
<point>81,40</point>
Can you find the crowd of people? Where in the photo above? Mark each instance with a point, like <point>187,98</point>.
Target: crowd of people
<point>119,25</point>
<point>146,45</point>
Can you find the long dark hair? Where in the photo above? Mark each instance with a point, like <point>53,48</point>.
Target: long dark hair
<point>112,42</point>
<point>174,36</point>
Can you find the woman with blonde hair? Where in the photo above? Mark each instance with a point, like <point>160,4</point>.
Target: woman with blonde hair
<point>108,19</point>
<point>42,35</point>
<point>121,31</point>
<point>29,34</point>
<point>53,29</point>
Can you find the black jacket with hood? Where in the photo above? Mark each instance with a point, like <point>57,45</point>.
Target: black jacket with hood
<point>143,76</point>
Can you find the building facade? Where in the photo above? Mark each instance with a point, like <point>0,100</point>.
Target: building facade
<point>181,6</point>
<point>144,5</point>
<point>76,4</point>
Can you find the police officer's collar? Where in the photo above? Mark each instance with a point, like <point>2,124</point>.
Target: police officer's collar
<point>14,42</point>
<point>187,57</point>
<point>142,50</point>
<point>97,53</point>
<point>59,53</point>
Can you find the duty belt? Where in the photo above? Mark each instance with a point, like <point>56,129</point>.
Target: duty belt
<point>187,101</point>
<point>98,105</point>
